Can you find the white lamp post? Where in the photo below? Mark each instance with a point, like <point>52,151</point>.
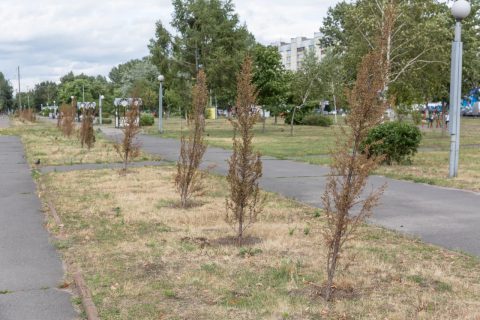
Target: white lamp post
<point>460,10</point>
<point>100,99</point>
<point>161,78</point>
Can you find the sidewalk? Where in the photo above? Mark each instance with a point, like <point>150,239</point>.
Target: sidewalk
<point>442,216</point>
<point>30,269</point>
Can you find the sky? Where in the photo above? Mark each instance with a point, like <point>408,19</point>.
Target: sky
<point>49,38</point>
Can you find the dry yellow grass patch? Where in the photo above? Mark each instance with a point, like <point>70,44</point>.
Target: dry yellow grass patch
<point>144,258</point>
<point>45,142</point>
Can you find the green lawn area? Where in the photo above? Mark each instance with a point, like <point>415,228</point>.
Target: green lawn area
<point>313,144</point>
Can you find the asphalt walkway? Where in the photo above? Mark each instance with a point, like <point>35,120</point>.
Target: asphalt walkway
<point>30,268</point>
<point>442,216</point>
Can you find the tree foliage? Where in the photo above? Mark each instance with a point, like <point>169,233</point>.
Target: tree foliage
<point>45,93</point>
<point>351,167</point>
<point>269,77</point>
<point>245,167</point>
<point>87,135</point>
<point>82,85</point>
<point>305,85</point>
<point>66,119</point>
<point>418,42</point>
<point>6,94</point>
<point>129,148</point>
<point>188,179</point>
<point>207,33</point>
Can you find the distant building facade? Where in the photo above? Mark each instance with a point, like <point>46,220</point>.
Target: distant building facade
<point>295,51</point>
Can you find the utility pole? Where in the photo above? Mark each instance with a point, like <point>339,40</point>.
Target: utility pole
<point>19,90</point>
<point>83,92</point>
<point>161,78</point>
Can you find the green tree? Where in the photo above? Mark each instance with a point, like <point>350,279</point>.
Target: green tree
<point>161,52</point>
<point>207,34</point>
<point>269,79</point>
<point>137,77</point>
<point>6,93</point>
<point>83,85</point>
<point>45,93</point>
<point>471,43</point>
<point>305,85</point>
<point>416,42</point>
<point>333,81</point>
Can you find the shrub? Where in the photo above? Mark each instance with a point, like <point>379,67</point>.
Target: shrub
<point>105,115</point>
<point>300,113</point>
<point>146,120</point>
<point>317,120</point>
<point>45,112</point>
<point>396,141</point>
<point>107,121</point>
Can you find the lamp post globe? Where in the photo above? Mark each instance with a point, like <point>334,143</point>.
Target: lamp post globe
<point>161,78</point>
<point>461,9</point>
<point>100,121</point>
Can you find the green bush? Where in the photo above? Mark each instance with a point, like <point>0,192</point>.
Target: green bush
<point>397,141</point>
<point>45,112</point>
<point>107,121</point>
<point>300,113</point>
<point>146,120</point>
<point>317,120</point>
<point>105,115</point>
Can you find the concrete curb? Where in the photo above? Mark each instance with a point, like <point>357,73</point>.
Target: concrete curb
<point>87,301</point>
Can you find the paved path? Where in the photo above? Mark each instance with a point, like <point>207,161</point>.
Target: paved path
<point>446,217</point>
<point>4,122</point>
<point>30,268</point>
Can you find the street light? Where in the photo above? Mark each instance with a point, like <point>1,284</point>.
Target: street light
<point>100,99</point>
<point>460,10</point>
<point>161,78</point>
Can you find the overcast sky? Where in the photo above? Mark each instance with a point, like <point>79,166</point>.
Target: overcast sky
<point>48,38</point>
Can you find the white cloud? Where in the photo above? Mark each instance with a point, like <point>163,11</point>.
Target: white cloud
<point>48,38</point>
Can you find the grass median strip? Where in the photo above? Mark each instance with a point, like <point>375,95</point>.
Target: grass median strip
<point>44,142</point>
<point>145,258</point>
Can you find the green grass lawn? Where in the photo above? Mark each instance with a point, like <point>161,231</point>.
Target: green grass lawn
<point>313,144</point>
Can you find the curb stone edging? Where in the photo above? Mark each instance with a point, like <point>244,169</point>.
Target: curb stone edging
<point>87,301</point>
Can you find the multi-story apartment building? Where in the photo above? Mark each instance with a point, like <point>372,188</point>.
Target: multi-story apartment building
<point>294,52</point>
